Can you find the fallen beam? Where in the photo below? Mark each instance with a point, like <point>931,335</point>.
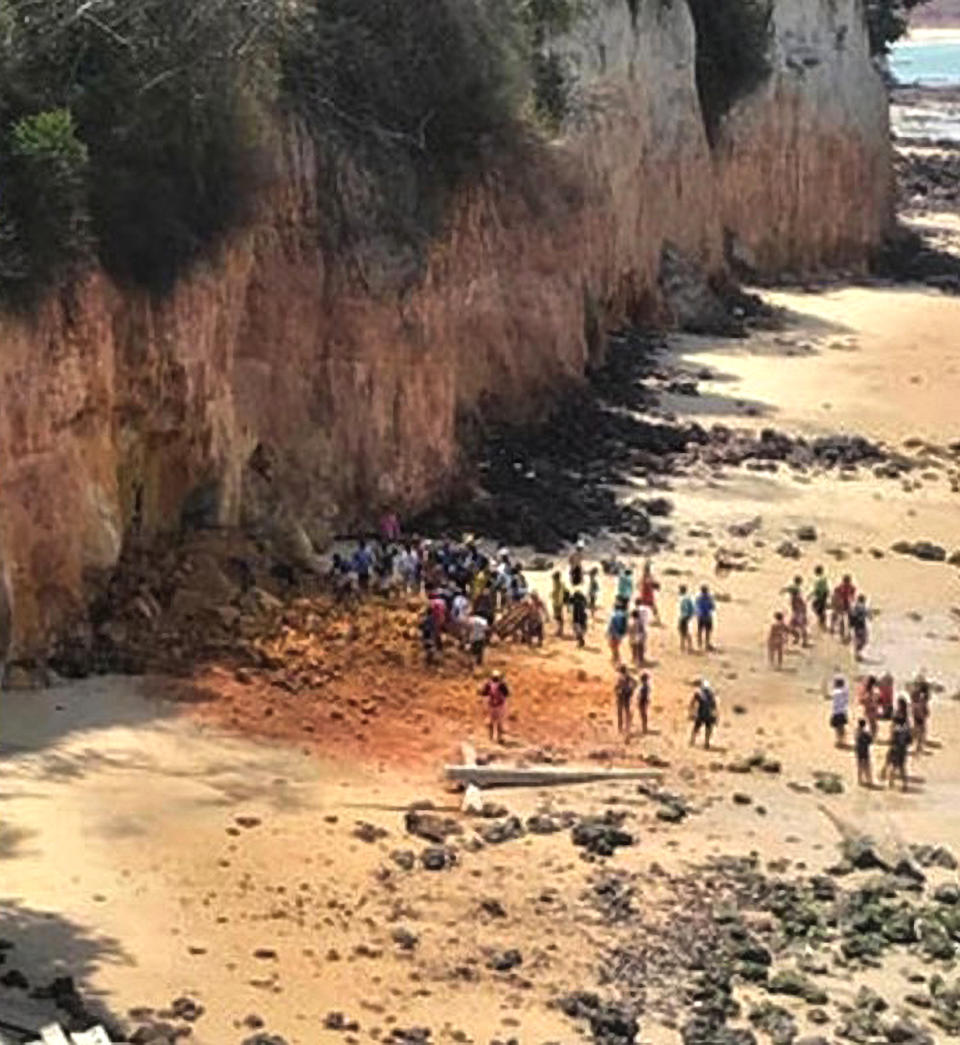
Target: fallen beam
<point>541,776</point>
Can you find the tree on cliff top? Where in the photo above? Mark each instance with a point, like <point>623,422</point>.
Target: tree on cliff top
<point>887,21</point>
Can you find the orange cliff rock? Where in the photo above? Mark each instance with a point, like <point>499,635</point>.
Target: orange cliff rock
<point>282,386</point>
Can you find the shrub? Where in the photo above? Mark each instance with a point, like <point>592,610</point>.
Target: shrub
<point>733,51</point>
<point>44,226</point>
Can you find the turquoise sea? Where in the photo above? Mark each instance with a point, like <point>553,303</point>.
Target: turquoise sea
<point>931,63</point>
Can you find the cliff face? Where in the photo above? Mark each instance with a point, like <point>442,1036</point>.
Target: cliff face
<point>281,387</point>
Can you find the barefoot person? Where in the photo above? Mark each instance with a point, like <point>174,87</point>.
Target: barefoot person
<point>643,702</point>
<point>858,626</point>
<point>840,709</point>
<point>861,743</point>
<point>870,701</point>
<point>593,590</point>
<point>703,711</point>
<point>578,615</point>
<point>686,611</point>
<point>706,609</point>
<point>820,597</point>
<point>617,631</point>
<point>648,591</point>
<point>637,635</point>
<point>920,711</point>
<point>798,612</point>
<point>558,599</point>
<point>576,565</point>
<point>623,691</point>
<point>896,766</point>
<point>496,691</point>
<point>840,606</point>
<point>777,640</point>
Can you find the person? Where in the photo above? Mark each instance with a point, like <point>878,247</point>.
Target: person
<point>820,596</point>
<point>885,696</point>
<point>685,616</point>
<point>637,634</point>
<point>840,708</point>
<point>533,624</point>
<point>871,704</point>
<point>558,599</point>
<point>896,764</point>
<point>460,613</point>
<point>858,626</point>
<point>593,591</point>
<point>703,711</point>
<point>616,631</point>
<point>362,564</point>
<point>390,526</point>
<point>776,640</point>
<point>429,636</point>
<point>648,591</point>
<point>576,565</point>
<point>438,607</point>
<point>623,690</point>
<point>798,611</point>
<point>705,610</point>
<point>518,584</point>
<point>484,604</point>
<point>862,742</point>
<point>625,585</point>
<point>920,709</point>
<point>643,701</point>
<point>841,603</point>
<point>578,615</point>
<point>496,692</point>
<point>479,630</point>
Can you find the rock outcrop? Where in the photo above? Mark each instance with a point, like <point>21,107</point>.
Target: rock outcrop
<point>287,389</point>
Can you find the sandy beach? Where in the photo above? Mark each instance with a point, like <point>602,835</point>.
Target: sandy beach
<point>152,852</point>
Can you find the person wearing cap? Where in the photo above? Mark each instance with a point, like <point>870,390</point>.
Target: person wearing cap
<point>703,711</point>
<point>496,691</point>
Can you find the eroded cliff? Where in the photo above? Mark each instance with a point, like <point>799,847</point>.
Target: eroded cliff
<point>288,388</point>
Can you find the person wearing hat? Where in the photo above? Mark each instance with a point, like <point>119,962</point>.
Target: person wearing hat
<point>703,711</point>
<point>496,691</point>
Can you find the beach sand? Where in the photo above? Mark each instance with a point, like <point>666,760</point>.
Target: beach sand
<point>123,862</point>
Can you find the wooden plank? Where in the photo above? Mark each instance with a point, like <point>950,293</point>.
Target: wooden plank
<point>541,776</point>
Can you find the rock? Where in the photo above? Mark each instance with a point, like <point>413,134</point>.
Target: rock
<point>671,812</point>
<point>788,550</point>
<point>405,859</point>
<point>404,939</point>
<point>741,799</point>
<point>338,1021</point>
<point>438,858</point>
<point>828,783</point>
<point>745,529</point>
<point>265,1039</point>
<point>906,1032</point>
<point>369,832</point>
<point>934,856</point>
<point>541,824</point>
<point>806,533</point>
<point>924,550</point>
<point>430,826</point>
<point>492,906</point>
<point>610,1024</point>
<point>504,961</point>
<point>948,893</point>
<point>502,831</point>
<point>601,835</point>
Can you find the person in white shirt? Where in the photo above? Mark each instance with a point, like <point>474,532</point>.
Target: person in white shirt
<point>840,709</point>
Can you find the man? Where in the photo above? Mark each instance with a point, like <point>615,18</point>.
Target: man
<point>703,711</point>
<point>820,596</point>
<point>617,631</point>
<point>858,626</point>
<point>705,608</point>
<point>362,564</point>
<point>558,599</point>
<point>623,691</point>
<point>496,691</point>
<point>686,613</point>
<point>576,565</point>
<point>862,742</point>
<point>643,701</point>
<point>897,754</point>
<point>840,709</point>
<point>429,636</point>
<point>479,629</point>
<point>578,615</point>
<point>637,634</point>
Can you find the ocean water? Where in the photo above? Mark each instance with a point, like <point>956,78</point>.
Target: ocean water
<point>931,63</point>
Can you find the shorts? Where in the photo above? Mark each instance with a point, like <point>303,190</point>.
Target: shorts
<point>838,721</point>
<point>704,721</point>
<point>684,626</point>
<point>623,703</point>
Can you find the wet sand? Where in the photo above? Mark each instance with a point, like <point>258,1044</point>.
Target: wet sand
<point>119,808</point>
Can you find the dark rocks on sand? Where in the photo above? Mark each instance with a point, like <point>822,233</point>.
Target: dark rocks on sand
<point>338,1021</point>
<point>430,826</point>
<point>504,961</point>
<point>503,831</point>
<point>610,1024</point>
<point>795,984</point>
<point>405,859</point>
<point>601,835</point>
<point>925,550</point>
<point>788,550</point>
<point>934,856</point>
<point>438,858</point>
<point>542,824</point>
<point>948,893</point>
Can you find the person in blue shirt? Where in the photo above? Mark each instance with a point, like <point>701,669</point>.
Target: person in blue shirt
<point>616,631</point>
<point>625,584</point>
<point>362,564</point>
<point>705,609</point>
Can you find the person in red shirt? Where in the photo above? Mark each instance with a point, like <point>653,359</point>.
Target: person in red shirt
<point>496,691</point>
<point>841,604</point>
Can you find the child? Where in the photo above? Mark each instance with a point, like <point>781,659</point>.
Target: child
<point>648,591</point>
<point>593,591</point>
<point>637,631</point>
<point>862,743</point>
<point>496,692</point>
<point>623,690</point>
<point>686,612</point>
<point>643,701</point>
<point>616,631</point>
<point>777,640</point>
<point>558,598</point>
